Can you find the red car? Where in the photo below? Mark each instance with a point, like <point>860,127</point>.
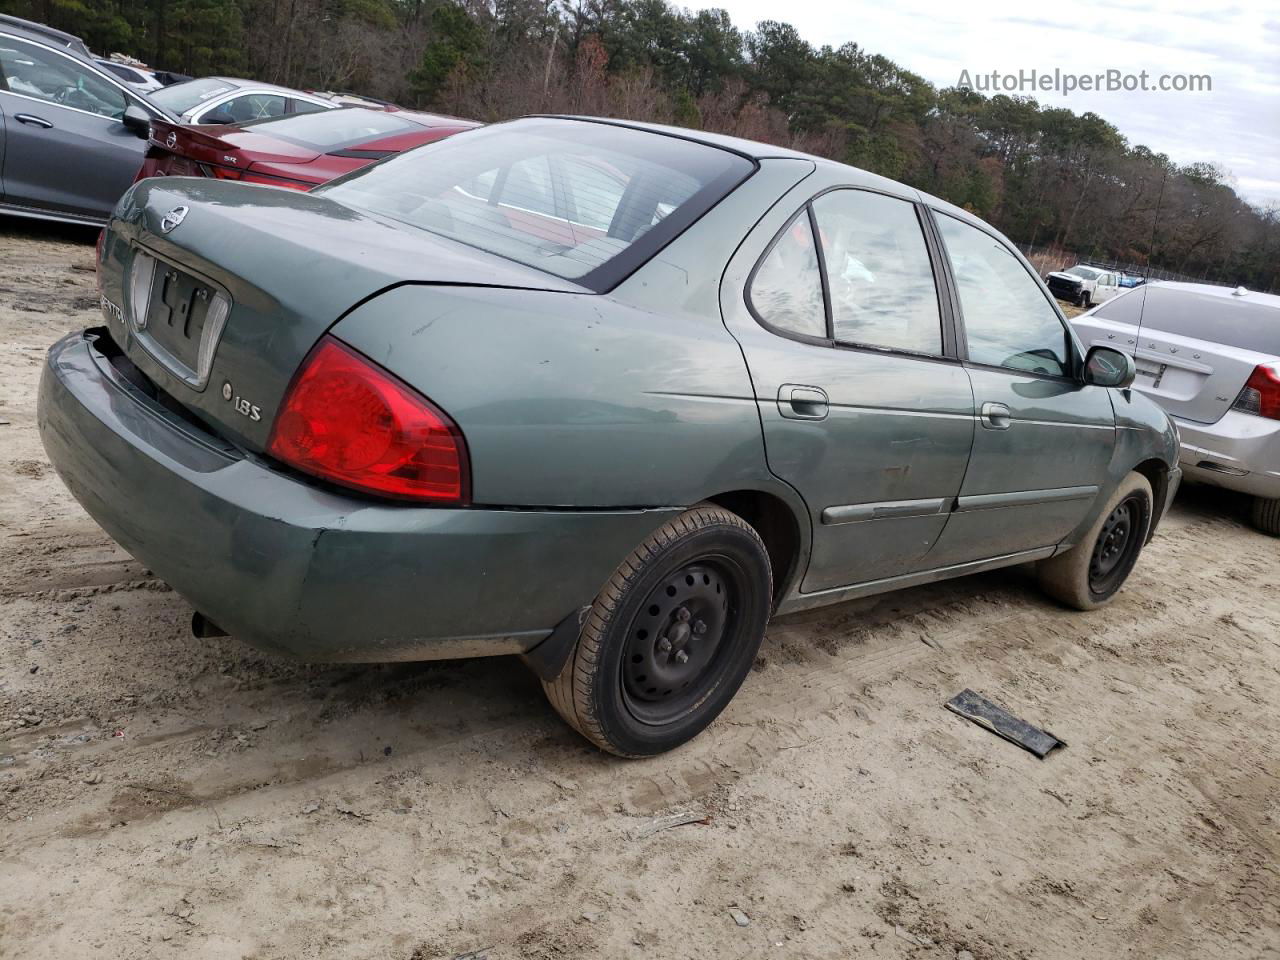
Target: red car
<point>300,150</point>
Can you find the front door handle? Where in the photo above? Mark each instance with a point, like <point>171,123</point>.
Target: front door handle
<point>32,120</point>
<point>996,416</point>
<point>799,402</point>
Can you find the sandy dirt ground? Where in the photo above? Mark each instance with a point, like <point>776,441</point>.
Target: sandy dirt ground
<point>162,796</point>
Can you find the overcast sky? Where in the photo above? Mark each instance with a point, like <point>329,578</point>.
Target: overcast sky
<point>1236,125</point>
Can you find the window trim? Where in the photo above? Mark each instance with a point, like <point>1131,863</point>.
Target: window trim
<point>950,336</point>
<point>132,97</point>
<point>962,337</point>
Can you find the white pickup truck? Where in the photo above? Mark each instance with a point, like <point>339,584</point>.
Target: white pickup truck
<point>1084,286</point>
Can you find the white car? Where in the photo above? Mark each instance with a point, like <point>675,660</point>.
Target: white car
<point>1211,357</point>
<point>137,77</point>
<point>1084,285</point>
<point>227,100</point>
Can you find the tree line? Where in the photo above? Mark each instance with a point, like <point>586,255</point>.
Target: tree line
<point>1044,175</point>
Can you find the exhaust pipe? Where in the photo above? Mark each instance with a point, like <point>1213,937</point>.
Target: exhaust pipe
<point>204,628</point>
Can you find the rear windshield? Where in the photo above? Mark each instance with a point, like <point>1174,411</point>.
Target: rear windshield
<point>181,97</point>
<point>328,130</point>
<point>1247,323</point>
<point>588,202</point>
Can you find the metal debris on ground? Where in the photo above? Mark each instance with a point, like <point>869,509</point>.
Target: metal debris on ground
<point>669,821</point>
<point>999,721</point>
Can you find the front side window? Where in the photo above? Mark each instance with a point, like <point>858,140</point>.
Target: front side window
<point>44,75</point>
<point>878,272</point>
<point>505,189</point>
<point>1007,319</point>
<point>786,291</point>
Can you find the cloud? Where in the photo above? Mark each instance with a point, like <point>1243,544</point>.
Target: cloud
<point>1236,124</point>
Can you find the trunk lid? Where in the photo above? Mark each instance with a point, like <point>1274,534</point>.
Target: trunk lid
<point>1194,345</point>
<point>219,145</point>
<point>287,265</point>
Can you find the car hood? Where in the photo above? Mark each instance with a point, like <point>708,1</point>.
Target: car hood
<point>1067,276</point>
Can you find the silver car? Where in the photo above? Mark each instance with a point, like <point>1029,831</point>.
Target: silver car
<point>1211,357</point>
<point>228,100</point>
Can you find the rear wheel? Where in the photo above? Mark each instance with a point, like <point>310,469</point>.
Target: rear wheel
<point>1266,515</point>
<point>670,638</point>
<point>1089,574</point>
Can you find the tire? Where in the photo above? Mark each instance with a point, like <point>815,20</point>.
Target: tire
<point>1089,574</point>
<point>1266,515</point>
<point>1085,300</point>
<point>700,586</point>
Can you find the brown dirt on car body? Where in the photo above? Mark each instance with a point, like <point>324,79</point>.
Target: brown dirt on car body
<point>164,796</point>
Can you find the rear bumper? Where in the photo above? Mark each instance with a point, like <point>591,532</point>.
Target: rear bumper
<point>303,571</point>
<point>1240,452</point>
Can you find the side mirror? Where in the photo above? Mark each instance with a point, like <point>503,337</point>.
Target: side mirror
<point>137,121</point>
<point>218,116</point>
<point>1104,367</point>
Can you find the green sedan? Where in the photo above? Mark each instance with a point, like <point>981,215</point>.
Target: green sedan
<point>600,394</point>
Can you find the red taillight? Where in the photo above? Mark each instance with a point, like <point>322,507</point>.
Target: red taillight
<point>248,176</point>
<point>1261,393</point>
<point>348,421</point>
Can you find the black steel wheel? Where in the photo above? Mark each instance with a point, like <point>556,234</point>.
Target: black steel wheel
<point>679,636</point>
<point>1115,547</point>
<point>1089,574</point>
<point>671,637</point>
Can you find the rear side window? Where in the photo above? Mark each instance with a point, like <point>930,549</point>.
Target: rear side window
<point>1007,319</point>
<point>305,106</point>
<point>878,272</point>
<point>585,201</point>
<point>252,106</point>
<point>786,291</point>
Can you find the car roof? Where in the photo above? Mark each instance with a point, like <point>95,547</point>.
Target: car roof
<point>755,150</point>
<point>257,85</point>
<point>38,31</point>
<point>746,148</point>
<point>1271,300</point>
<point>428,119</point>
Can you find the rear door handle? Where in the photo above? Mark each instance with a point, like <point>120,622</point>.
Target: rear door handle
<point>32,120</point>
<point>996,416</point>
<point>799,402</point>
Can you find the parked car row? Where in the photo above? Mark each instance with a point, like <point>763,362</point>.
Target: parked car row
<point>76,131</point>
